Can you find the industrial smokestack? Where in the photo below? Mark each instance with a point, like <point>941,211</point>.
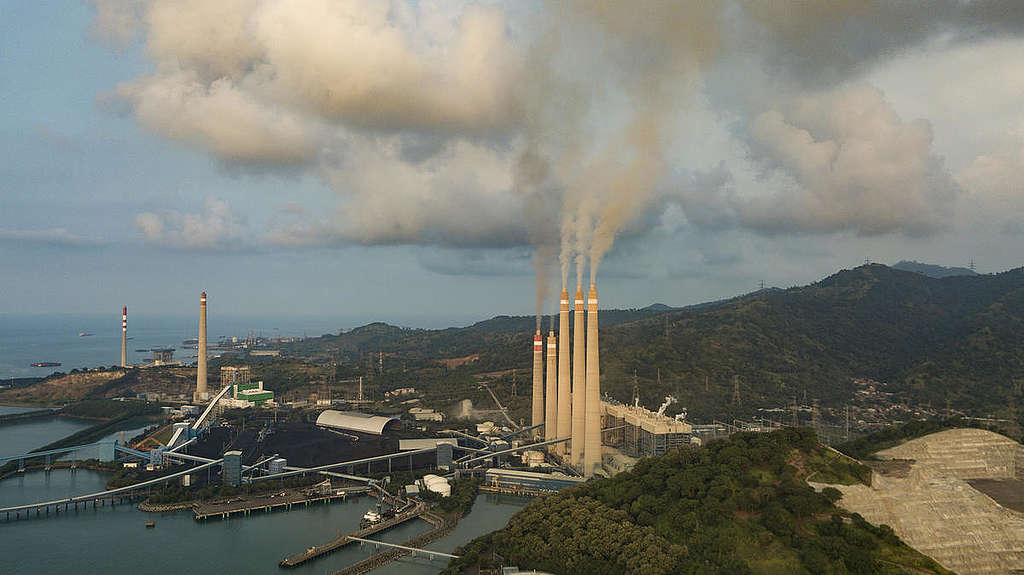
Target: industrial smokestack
<point>592,424</point>
<point>124,336</point>
<point>201,393</point>
<point>564,377</point>
<point>579,397</point>
<point>538,382</point>
<point>551,392</point>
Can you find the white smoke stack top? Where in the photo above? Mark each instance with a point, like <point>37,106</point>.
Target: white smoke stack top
<point>564,373</point>
<point>201,393</point>
<point>124,336</point>
<point>592,424</point>
<point>538,382</point>
<point>579,397</point>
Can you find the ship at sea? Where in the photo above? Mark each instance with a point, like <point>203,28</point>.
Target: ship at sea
<point>45,364</point>
<point>84,334</point>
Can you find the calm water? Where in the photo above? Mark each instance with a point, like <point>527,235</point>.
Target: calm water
<point>18,438</point>
<point>114,539</point>
<point>25,339</point>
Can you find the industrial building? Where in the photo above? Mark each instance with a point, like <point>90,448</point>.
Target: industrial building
<point>233,468</point>
<point>163,356</point>
<point>527,481</point>
<point>639,432</point>
<point>243,389</point>
<point>356,421</point>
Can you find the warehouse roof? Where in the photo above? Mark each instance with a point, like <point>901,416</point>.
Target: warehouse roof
<point>355,421</point>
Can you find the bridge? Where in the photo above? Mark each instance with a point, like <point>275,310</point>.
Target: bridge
<point>412,550</point>
<point>106,450</point>
<point>100,495</point>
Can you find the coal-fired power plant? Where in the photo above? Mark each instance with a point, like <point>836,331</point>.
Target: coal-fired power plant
<point>551,391</point>
<point>564,379</point>
<point>579,397</point>
<point>538,383</point>
<point>575,412</point>
<point>592,415</point>
<point>124,336</point>
<point>201,393</point>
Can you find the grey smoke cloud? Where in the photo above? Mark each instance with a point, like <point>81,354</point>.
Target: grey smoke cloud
<point>462,125</point>
<point>837,160</point>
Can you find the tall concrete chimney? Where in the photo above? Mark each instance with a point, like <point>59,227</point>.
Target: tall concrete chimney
<point>592,425</point>
<point>124,336</point>
<point>538,382</point>
<point>201,393</point>
<point>579,397</point>
<point>564,377</point>
<point>551,392</point>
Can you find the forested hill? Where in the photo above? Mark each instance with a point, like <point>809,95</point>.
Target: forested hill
<point>738,506</point>
<point>932,339</point>
<point>958,338</point>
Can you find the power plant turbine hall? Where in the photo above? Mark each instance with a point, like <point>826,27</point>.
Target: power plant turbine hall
<point>579,397</point>
<point>551,392</point>
<point>592,424</point>
<point>564,373</point>
<point>538,383</point>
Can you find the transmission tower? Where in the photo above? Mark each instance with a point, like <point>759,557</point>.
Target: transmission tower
<point>970,266</point>
<point>736,390</point>
<point>796,412</point>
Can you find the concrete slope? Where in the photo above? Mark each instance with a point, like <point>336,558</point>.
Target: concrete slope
<point>933,508</point>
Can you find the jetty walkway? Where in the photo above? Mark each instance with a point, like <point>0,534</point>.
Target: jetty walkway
<point>421,509</point>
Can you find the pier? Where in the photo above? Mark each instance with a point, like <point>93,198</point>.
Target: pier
<point>269,503</point>
<point>441,528</point>
<point>421,510</point>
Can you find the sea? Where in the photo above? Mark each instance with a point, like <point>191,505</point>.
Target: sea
<point>85,340</point>
<point>114,539</point>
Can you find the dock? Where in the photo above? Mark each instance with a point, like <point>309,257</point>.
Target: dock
<point>441,528</point>
<point>270,502</point>
<point>421,510</point>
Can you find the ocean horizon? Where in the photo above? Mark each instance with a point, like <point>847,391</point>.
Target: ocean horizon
<point>54,337</point>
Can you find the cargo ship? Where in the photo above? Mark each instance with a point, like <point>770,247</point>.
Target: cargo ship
<point>45,364</point>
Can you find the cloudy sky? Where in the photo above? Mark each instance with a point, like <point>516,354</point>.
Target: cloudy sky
<point>421,161</point>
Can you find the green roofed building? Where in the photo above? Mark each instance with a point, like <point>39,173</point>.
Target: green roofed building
<point>243,389</point>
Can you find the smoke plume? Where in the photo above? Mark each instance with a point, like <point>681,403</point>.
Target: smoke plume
<point>452,124</point>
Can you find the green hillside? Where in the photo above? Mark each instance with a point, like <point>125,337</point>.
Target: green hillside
<point>734,507</point>
<point>958,339</point>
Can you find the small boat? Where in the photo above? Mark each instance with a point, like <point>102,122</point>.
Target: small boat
<point>45,364</point>
<point>84,334</point>
<point>150,524</point>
